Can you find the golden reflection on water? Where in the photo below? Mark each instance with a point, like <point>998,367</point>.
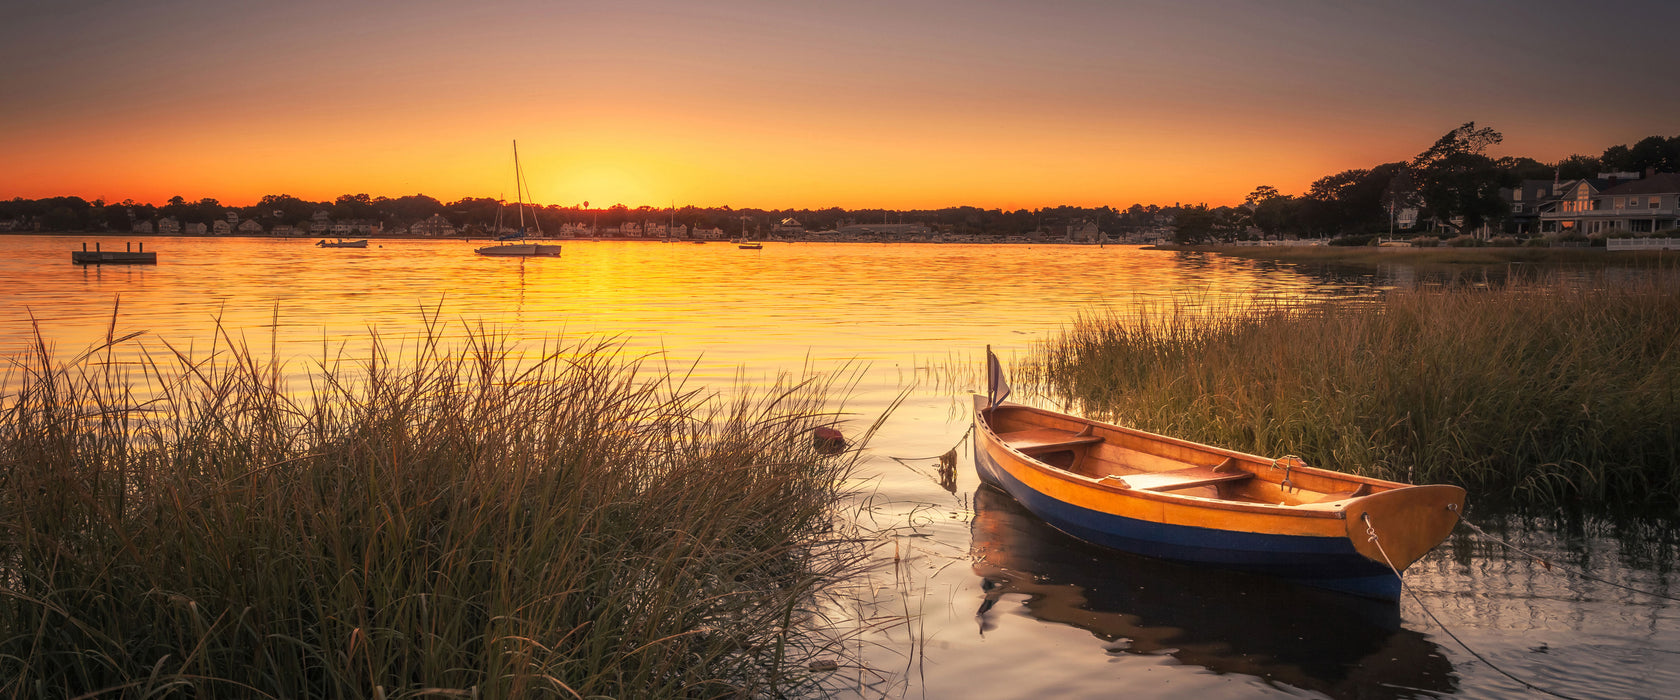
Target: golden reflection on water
<point>892,311</point>
<point>909,315</point>
<point>764,310</point>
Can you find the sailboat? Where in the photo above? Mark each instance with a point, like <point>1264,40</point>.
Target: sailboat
<point>746,243</point>
<point>521,250</point>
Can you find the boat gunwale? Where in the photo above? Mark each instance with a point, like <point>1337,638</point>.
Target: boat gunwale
<point>1336,510</point>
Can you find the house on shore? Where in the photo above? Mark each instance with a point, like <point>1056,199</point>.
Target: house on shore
<point>1083,231</point>
<point>788,227</point>
<point>1600,205</point>
<point>434,226</point>
<point>249,227</point>
<point>168,226</point>
<point>1527,200</point>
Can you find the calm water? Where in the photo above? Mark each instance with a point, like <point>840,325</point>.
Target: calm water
<point>973,598</point>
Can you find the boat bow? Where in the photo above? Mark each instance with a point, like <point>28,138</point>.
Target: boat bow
<point>1398,527</point>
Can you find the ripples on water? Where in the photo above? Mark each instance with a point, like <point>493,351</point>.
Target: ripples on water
<point>1060,619</point>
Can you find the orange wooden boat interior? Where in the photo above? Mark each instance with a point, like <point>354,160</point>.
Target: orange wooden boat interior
<point>1160,496</point>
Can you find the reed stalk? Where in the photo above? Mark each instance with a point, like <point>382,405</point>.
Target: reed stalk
<point>431,520</point>
<point>1544,391</point>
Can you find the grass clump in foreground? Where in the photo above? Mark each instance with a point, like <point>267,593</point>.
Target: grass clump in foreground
<point>441,524</point>
<point>1543,391</point>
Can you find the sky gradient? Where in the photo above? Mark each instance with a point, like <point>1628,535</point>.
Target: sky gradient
<point>801,105</point>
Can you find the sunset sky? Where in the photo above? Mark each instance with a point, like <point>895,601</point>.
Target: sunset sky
<point>785,104</point>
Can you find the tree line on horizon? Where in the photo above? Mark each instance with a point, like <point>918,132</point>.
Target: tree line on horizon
<point>1454,184</point>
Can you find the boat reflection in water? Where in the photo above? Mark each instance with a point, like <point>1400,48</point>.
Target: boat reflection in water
<point>1228,622</point>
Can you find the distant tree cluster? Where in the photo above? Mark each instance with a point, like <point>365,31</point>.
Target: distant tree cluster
<point>479,214</point>
<point>1454,185</point>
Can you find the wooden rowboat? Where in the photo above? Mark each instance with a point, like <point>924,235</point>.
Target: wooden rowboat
<point>1159,496</point>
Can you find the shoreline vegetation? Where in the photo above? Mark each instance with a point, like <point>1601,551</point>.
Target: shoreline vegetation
<point>1422,257</point>
<point>429,519</point>
<point>1543,392</point>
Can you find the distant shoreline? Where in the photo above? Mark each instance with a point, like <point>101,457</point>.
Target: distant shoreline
<point>602,239</point>
<point>1446,256</point>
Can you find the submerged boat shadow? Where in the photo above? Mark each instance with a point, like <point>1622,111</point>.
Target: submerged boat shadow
<point>1225,621</point>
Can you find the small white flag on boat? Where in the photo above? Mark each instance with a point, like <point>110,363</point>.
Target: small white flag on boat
<point>997,386</point>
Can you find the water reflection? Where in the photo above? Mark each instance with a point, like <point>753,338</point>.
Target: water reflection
<point>1227,622</point>
<point>909,314</point>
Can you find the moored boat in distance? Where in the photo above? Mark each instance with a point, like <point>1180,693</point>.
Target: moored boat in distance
<point>750,246</point>
<point>1159,496</point>
<point>341,243</point>
<point>521,250</point>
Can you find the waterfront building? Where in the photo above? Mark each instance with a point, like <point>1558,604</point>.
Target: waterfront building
<point>434,226</point>
<point>1082,231</point>
<point>250,227</point>
<point>221,227</point>
<point>658,230</point>
<point>788,227</point>
<point>194,228</point>
<point>570,230</point>
<point>168,226</point>
<point>320,222</point>
<point>142,227</point>
<point>1528,199</point>
<point>1613,203</point>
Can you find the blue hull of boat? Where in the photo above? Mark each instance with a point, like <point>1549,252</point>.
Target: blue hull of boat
<point>1324,562</point>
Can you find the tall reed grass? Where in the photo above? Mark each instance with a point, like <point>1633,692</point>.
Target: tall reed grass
<point>1544,391</point>
<point>430,521</point>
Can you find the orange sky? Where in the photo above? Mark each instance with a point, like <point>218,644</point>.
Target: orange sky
<point>781,105</point>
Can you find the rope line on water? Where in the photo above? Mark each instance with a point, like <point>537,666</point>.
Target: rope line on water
<point>960,441</point>
<point>1549,565</point>
<point>1371,530</point>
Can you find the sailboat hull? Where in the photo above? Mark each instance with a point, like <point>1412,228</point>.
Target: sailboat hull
<point>521,250</point>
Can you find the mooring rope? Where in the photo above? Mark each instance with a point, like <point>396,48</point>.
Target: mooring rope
<point>1371,531</point>
<point>1549,565</point>
<point>960,441</point>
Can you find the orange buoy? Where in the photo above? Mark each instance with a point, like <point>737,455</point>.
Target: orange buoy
<point>828,441</point>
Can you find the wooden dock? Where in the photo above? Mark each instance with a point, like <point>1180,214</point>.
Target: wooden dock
<point>127,256</point>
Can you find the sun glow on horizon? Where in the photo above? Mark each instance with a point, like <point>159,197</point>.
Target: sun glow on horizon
<point>771,106</point>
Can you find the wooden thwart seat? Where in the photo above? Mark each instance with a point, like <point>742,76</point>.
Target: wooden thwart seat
<point>1040,440</point>
<point>1361,490</point>
<point>1184,478</point>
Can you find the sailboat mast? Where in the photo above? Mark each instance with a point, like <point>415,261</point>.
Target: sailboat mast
<point>518,187</point>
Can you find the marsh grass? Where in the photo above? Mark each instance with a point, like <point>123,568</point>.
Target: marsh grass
<point>1544,391</point>
<point>427,521</point>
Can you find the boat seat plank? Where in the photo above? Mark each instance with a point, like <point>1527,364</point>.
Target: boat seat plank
<point>1361,490</point>
<point>1046,440</point>
<point>1183,478</point>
